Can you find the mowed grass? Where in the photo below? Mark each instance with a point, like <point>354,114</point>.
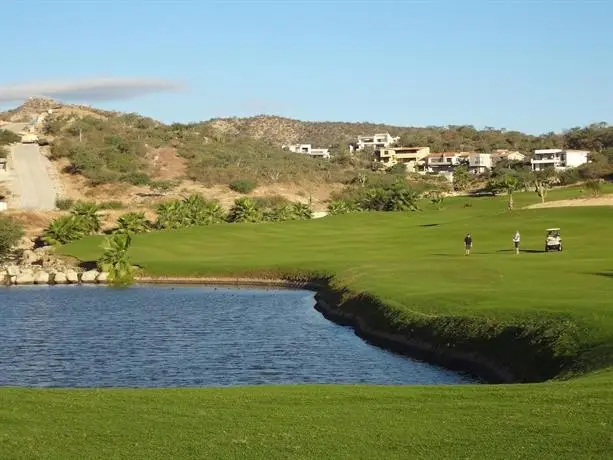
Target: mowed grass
<point>415,264</point>
<point>544,421</point>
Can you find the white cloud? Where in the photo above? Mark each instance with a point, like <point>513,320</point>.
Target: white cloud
<point>91,89</point>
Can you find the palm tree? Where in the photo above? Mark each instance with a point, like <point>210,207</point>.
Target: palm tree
<point>88,212</point>
<point>115,259</point>
<point>133,222</point>
<point>244,210</point>
<point>65,229</point>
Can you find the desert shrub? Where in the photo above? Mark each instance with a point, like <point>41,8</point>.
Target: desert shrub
<point>271,201</point>
<point>136,178</point>
<point>64,204</point>
<point>11,232</point>
<point>162,187</point>
<point>398,168</point>
<point>113,204</point>
<point>243,185</point>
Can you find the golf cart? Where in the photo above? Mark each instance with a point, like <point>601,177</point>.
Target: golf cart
<point>553,241</point>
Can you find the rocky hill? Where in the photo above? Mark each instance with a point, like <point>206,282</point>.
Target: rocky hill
<point>102,147</point>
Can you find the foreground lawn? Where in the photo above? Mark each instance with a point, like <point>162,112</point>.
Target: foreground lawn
<point>556,420</point>
<point>415,264</point>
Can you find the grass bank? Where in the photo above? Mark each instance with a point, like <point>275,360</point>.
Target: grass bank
<point>539,314</point>
<point>406,274</point>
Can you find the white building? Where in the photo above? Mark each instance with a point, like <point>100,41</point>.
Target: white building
<point>442,162</point>
<point>378,141</point>
<point>558,159</point>
<point>307,149</point>
<point>478,163</point>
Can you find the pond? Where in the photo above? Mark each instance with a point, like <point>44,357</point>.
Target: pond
<point>165,336</point>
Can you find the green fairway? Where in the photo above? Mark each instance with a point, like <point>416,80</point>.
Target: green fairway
<point>507,307</point>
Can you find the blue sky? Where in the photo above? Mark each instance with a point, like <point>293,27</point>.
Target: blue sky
<point>536,66</point>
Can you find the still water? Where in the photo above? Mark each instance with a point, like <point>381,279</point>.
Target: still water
<point>164,336</point>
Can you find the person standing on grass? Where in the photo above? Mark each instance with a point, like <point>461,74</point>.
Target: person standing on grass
<point>468,243</point>
<point>516,239</point>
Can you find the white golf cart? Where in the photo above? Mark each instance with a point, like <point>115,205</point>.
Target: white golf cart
<point>553,241</point>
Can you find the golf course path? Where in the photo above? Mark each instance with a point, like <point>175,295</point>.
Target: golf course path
<point>606,200</point>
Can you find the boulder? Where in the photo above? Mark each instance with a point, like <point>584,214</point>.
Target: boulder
<point>72,276</point>
<point>41,277</point>
<point>89,276</point>
<point>103,277</point>
<point>60,278</point>
<point>30,257</point>
<point>12,270</point>
<point>24,278</point>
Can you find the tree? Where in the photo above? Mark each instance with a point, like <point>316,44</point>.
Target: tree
<point>115,259</point>
<point>593,186</point>
<point>437,197</point>
<point>11,232</point>
<point>461,178</point>
<point>508,183</point>
<point>133,222</point>
<point>542,181</point>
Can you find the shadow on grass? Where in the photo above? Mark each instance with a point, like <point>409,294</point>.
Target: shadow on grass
<point>528,251</point>
<point>605,274</point>
<point>429,225</point>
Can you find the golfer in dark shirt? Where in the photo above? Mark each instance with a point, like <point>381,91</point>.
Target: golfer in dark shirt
<point>468,243</point>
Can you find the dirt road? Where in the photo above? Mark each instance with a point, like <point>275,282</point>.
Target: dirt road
<point>31,183</point>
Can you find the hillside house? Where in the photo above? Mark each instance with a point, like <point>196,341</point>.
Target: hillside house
<point>558,159</point>
<point>307,149</point>
<point>510,155</point>
<point>378,141</point>
<point>441,162</point>
<point>478,163</point>
<point>411,157</point>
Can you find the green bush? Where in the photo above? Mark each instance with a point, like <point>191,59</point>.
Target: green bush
<point>192,211</point>
<point>133,222</point>
<point>8,137</point>
<point>342,207</point>
<point>64,204</point>
<point>11,232</point>
<point>244,210</point>
<point>65,229</point>
<point>4,152</point>
<point>243,186</point>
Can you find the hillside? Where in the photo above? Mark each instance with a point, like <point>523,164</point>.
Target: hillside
<point>103,154</point>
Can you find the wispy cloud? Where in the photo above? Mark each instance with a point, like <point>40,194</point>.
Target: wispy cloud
<point>91,89</point>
